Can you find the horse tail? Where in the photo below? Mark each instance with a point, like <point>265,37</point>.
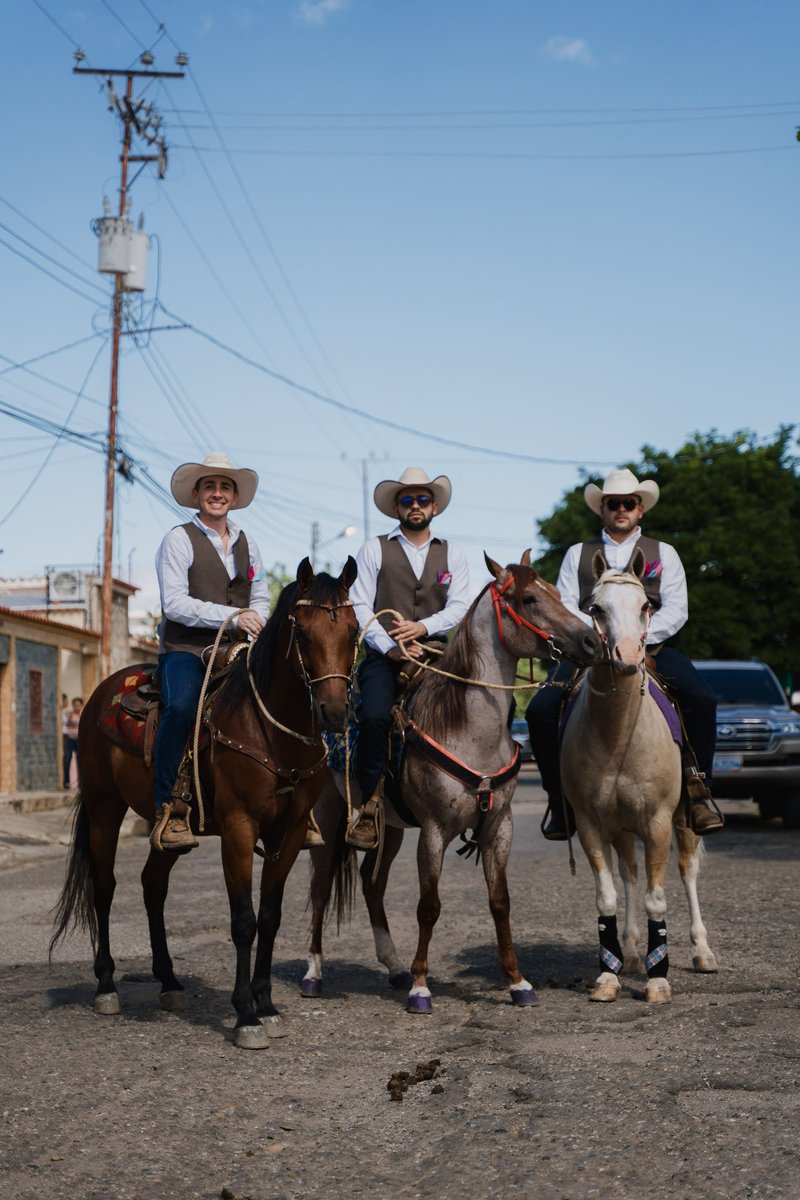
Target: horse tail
<point>75,905</point>
<point>344,868</point>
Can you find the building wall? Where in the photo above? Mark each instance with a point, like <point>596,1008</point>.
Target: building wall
<point>38,747</point>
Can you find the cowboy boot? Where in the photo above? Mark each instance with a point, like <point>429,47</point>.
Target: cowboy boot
<point>314,836</point>
<point>554,828</point>
<point>704,816</point>
<point>364,833</point>
<point>172,831</point>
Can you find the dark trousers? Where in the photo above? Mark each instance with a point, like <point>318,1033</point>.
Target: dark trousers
<point>695,700</point>
<point>181,676</point>
<point>69,747</point>
<point>377,681</point>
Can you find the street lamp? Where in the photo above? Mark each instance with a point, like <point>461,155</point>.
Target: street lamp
<point>317,545</point>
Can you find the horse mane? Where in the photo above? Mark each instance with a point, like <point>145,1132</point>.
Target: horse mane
<point>234,691</point>
<point>440,704</point>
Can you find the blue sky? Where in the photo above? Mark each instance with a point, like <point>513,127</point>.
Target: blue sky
<point>552,231</point>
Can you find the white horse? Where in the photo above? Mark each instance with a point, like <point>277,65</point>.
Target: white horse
<point>621,772</point>
<point>459,774</point>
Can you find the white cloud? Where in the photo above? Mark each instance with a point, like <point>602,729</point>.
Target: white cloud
<point>566,49</point>
<point>318,12</point>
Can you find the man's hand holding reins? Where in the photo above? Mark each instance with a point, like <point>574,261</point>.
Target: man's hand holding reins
<point>406,632</point>
<point>249,622</point>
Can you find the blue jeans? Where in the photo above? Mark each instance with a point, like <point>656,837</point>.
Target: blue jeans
<point>181,677</point>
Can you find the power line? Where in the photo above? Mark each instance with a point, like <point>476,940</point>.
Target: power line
<point>49,236</point>
<point>489,154</point>
<point>49,353</point>
<point>497,112</point>
<point>53,21</point>
<point>367,416</point>
<point>91,299</point>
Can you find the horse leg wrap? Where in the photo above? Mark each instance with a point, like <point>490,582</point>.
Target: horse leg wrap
<point>657,961</point>
<point>610,949</point>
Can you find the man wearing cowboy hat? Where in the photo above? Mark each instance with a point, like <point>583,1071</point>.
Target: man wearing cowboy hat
<point>426,581</point>
<point>207,570</point>
<point>621,503</point>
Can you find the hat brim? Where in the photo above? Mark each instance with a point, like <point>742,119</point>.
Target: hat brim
<point>440,488</point>
<point>647,489</point>
<point>185,478</point>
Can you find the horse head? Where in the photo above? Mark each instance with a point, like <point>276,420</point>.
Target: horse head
<point>325,635</point>
<point>621,612</point>
<point>531,620</point>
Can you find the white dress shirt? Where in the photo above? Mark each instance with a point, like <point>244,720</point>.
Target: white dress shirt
<point>674,611</point>
<point>175,556</point>
<point>362,593</point>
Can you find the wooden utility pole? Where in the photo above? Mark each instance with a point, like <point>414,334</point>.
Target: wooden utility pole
<point>130,113</point>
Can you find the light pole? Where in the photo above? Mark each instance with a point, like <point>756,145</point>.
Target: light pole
<point>317,545</point>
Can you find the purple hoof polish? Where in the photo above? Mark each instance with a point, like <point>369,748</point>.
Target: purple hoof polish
<point>311,987</point>
<point>419,1004</point>
<point>524,997</point>
<point>402,981</point>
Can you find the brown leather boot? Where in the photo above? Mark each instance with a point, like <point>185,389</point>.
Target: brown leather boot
<point>705,816</point>
<point>364,834</point>
<point>172,832</point>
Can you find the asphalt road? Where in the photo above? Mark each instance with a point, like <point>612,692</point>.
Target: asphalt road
<point>699,1098</point>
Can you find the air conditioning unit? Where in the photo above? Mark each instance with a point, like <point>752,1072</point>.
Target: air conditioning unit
<point>66,586</point>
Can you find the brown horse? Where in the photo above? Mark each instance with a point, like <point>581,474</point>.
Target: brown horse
<point>260,773</point>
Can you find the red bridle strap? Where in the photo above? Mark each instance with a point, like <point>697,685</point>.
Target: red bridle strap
<point>502,606</point>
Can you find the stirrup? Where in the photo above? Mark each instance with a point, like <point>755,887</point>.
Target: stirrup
<point>313,836</point>
<point>171,832</point>
<point>364,833</point>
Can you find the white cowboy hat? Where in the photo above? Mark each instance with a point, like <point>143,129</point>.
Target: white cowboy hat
<point>413,477</point>
<point>186,476</point>
<point>621,482</point>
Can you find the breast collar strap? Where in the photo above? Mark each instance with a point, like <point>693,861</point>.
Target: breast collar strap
<point>501,606</point>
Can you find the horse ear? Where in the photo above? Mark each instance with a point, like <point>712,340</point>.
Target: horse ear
<point>637,563</point>
<point>500,573</point>
<point>305,575</point>
<point>599,564</point>
<point>525,560</point>
<point>349,572</point>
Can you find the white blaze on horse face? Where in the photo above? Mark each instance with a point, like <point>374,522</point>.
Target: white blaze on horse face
<point>620,610</point>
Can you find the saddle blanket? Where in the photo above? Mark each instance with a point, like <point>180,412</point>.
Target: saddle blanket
<point>122,727</point>
<point>666,708</point>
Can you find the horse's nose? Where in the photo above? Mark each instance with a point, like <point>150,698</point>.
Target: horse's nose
<point>591,644</point>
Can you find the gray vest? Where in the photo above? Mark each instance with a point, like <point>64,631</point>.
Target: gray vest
<point>398,587</point>
<point>209,581</point>
<point>651,549</point>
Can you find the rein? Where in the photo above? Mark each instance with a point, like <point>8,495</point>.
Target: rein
<point>502,606</point>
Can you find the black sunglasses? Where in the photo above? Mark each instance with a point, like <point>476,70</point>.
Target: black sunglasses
<point>410,501</point>
<point>629,503</point>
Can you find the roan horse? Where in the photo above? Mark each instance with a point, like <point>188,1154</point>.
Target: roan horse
<point>470,786</point>
<point>621,772</point>
<point>260,776</point>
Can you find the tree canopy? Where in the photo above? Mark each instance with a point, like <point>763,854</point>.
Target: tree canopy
<point>731,508</point>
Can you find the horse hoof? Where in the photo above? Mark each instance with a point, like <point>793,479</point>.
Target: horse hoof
<point>250,1037</point>
<point>419,1003</point>
<point>174,1001</point>
<point>274,1027</point>
<point>524,997</point>
<point>402,981</point>
<point>604,993</point>
<point>705,963</point>
<point>310,987</point>
<point>658,991</point>
<point>107,1004</point>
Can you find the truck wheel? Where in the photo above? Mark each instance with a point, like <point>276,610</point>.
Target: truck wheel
<point>770,805</point>
<point>791,810</point>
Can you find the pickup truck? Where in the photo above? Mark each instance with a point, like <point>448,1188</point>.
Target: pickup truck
<point>757,751</point>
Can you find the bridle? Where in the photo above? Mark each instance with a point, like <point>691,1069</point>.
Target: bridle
<point>309,682</point>
<point>621,577</point>
<point>502,606</point>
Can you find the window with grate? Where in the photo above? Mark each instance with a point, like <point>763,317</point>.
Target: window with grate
<point>36,700</point>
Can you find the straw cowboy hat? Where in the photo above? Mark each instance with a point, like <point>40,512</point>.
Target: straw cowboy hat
<point>413,477</point>
<point>621,483</point>
<point>186,476</point>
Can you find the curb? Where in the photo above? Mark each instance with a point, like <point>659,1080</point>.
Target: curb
<point>33,802</point>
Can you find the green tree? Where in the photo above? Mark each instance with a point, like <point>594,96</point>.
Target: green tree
<point>731,508</point>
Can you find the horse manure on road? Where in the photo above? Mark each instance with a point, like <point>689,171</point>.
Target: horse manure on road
<point>401,1081</point>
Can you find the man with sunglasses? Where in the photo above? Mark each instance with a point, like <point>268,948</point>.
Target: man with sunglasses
<point>621,503</point>
<point>426,580</point>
